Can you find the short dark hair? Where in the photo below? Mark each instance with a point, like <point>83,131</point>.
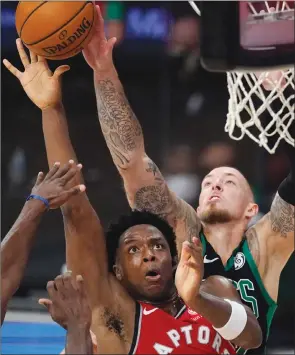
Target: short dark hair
<point>135,218</point>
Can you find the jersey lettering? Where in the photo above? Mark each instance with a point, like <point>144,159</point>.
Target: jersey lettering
<point>203,337</point>
<point>217,343</point>
<point>243,285</point>
<point>162,349</point>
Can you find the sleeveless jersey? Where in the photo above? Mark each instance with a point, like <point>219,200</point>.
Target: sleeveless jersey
<point>242,271</point>
<point>157,332</point>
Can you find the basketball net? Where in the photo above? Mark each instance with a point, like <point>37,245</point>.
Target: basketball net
<point>252,96</point>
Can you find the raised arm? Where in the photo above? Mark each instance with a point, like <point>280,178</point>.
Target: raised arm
<point>17,244</point>
<point>85,242</point>
<point>144,184</point>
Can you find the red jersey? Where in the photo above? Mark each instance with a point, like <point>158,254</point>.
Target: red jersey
<point>157,332</point>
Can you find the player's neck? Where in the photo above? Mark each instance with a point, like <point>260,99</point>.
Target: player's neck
<point>171,305</point>
<point>224,237</point>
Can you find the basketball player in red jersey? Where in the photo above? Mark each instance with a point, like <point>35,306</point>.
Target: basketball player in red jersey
<point>254,258</point>
<point>129,275</point>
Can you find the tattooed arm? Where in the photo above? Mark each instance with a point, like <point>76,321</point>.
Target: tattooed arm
<point>282,218</point>
<point>144,184</point>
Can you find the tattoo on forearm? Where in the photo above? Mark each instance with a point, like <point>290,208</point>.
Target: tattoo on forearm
<point>253,243</point>
<point>282,216</point>
<point>119,125</point>
<point>158,199</point>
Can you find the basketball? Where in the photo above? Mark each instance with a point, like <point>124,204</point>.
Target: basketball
<point>55,29</point>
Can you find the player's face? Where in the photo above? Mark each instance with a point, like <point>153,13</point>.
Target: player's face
<point>144,264</point>
<point>224,197</point>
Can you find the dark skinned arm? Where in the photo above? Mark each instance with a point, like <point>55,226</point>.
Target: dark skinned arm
<point>15,250</point>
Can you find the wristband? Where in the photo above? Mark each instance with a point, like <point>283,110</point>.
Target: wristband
<point>236,323</point>
<point>40,198</point>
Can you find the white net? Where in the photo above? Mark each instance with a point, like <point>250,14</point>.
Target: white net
<point>261,105</point>
<point>253,111</point>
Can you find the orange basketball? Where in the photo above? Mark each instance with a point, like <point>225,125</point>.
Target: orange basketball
<point>55,29</point>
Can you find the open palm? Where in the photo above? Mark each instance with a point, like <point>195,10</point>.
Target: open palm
<point>40,84</point>
<point>190,271</point>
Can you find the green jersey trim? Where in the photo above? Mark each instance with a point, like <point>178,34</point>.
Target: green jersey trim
<point>271,303</point>
<point>203,241</point>
<point>256,274</point>
<point>269,317</point>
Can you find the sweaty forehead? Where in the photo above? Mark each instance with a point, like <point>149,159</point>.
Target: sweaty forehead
<point>141,231</point>
<point>223,172</point>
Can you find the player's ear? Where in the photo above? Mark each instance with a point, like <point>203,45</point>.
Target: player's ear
<point>118,272</point>
<point>198,211</point>
<point>252,210</point>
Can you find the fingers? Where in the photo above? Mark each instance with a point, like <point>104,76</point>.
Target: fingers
<point>22,53</point>
<point>66,195</point>
<point>60,70</point>
<point>185,251</point>
<point>68,175</point>
<point>192,265</point>
<point>100,24</point>
<point>33,57</point>
<point>46,303</point>
<point>51,290</point>
<point>67,280</point>
<point>62,171</point>
<point>80,286</point>
<point>12,69</point>
<point>111,42</point>
<point>53,170</point>
<point>75,190</point>
<point>191,250</point>
<point>40,178</point>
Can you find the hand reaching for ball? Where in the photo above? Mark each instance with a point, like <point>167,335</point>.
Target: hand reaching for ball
<point>98,53</point>
<point>41,85</point>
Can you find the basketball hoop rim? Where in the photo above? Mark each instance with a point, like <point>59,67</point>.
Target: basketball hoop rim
<point>195,7</point>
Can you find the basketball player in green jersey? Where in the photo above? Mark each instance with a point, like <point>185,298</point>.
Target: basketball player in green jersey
<point>254,258</point>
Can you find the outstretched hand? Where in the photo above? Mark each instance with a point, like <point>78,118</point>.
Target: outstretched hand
<point>98,53</point>
<point>41,85</point>
<point>68,303</point>
<point>53,186</point>
<point>190,271</point>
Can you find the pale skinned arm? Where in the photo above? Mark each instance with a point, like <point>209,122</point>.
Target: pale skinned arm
<point>144,184</point>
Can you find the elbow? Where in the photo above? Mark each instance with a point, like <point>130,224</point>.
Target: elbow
<point>252,337</point>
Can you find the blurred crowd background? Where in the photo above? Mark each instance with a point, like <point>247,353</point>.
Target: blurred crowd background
<point>182,109</point>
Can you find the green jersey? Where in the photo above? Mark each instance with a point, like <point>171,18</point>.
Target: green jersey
<point>242,270</point>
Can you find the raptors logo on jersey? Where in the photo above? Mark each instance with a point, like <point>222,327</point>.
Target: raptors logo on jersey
<point>157,332</point>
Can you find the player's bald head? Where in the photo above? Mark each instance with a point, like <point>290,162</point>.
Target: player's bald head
<point>226,196</point>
